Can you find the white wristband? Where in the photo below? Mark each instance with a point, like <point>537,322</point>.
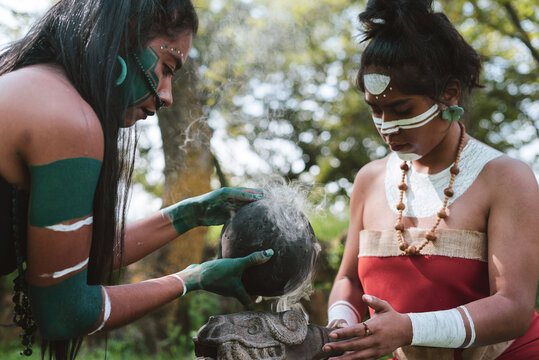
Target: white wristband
<point>343,310</point>
<point>438,329</point>
<point>183,283</point>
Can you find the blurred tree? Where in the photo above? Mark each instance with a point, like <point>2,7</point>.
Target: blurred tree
<point>281,75</point>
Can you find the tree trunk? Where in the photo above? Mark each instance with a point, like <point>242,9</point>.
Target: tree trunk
<point>188,168</point>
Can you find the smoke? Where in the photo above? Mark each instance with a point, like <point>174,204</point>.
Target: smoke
<point>280,194</point>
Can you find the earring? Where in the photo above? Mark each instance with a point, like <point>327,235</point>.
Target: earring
<point>452,113</point>
<point>123,72</point>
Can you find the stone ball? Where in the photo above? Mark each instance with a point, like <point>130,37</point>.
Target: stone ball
<point>271,224</point>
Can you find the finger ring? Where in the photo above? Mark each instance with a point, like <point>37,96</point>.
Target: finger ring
<point>367,330</point>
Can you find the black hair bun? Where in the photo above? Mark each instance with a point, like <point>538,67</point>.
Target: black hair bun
<point>405,17</point>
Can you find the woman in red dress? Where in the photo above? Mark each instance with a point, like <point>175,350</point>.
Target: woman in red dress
<point>442,246</point>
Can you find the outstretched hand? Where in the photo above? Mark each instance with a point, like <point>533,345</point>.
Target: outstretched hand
<point>213,208</point>
<point>223,276</point>
<point>377,337</point>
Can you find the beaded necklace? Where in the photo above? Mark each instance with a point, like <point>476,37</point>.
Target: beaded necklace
<point>442,214</point>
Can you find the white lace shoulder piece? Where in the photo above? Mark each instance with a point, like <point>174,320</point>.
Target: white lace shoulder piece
<point>425,194</point>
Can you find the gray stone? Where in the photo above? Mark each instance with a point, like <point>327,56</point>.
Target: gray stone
<point>261,335</point>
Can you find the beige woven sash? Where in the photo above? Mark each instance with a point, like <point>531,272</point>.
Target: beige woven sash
<point>465,244</point>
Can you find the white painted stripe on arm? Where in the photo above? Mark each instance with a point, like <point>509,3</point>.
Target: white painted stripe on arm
<point>61,273</point>
<point>106,315</point>
<point>72,227</point>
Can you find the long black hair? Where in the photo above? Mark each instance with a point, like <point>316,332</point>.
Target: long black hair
<point>420,48</point>
<point>85,38</point>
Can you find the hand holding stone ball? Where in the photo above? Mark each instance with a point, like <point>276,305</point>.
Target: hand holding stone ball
<point>271,223</point>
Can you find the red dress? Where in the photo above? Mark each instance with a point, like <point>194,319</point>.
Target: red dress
<point>451,272</point>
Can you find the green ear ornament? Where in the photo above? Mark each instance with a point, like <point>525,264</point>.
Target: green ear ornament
<point>452,113</point>
<point>123,71</point>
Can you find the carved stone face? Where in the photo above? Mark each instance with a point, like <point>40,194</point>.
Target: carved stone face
<point>253,335</point>
<point>271,224</point>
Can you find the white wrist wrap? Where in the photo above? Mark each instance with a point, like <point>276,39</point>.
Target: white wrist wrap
<point>438,329</point>
<point>343,310</point>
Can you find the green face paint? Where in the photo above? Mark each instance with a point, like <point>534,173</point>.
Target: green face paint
<point>63,190</point>
<point>136,87</point>
<point>68,309</point>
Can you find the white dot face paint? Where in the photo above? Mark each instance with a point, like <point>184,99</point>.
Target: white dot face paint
<point>376,83</point>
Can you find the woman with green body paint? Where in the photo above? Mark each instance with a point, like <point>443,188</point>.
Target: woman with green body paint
<point>85,70</point>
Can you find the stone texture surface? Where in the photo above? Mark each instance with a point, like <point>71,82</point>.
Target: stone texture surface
<point>261,335</point>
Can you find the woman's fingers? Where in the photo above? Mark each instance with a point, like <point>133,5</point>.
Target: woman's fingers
<point>378,305</point>
<point>257,258</point>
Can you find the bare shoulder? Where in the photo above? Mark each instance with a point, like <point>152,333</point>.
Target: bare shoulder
<point>371,171</point>
<point>509,178</point>
<point>369,175</point>
<point>506,171</point>
<point>46,118</point>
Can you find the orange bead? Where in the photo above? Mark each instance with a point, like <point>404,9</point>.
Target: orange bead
<point>449,192</point>
<point>401,206</point>
<point>411,250</point>
<point>442,214</point>
<point>430,236</point>
<point>404,166</point>
<point>454,170</point>
<point>403,187</point>
<point>403,246</point>
<point>399,227</point>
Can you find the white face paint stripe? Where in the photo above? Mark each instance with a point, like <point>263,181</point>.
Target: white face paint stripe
<point>72,227</point>
<point>106,315</point>
<point>376,83</point>
<point>417,121</point>
<point>61,273</point>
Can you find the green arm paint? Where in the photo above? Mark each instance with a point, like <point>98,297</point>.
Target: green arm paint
<point>68,309</point>
<point>63,190</point>
<point>213,208</point>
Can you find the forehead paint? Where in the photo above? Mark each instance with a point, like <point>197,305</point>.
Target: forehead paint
<point>136,87</point>
<point>63,190</point>
<point>388,127</point>
<point>376,83</point>
<point>67,309</point>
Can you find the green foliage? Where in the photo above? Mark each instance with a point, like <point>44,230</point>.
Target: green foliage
<point>275,70</point>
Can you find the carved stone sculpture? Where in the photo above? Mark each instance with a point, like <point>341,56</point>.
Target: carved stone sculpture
<point>261,335</point>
